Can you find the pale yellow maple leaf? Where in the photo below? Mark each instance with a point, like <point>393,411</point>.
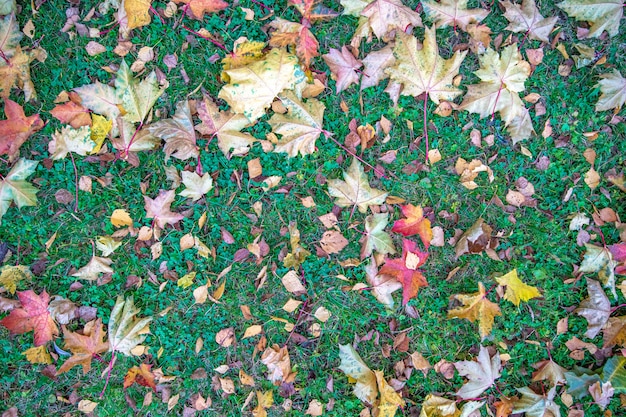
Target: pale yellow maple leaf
<point>226,126</point>
<point>354,7</point>
<point>71,140</point>
<point>600,259</point>
<point>196,186</point>
<point>355,189</point>
<point>385,16</point>
<point>253,87</point>
<point>10,35</point>
<point>137,96</point>
<point>481,373</point>
<point>352,365</point>
<point>94,268</point>
<point>424,70</point>
<point>602,14</point>
<point>126,330</point>
<point>526,18</point>
<point>16,72</point>
<point>389,400</point>
<point>453,13</point>
<point>244,52</point>
<point>107,244</point>
<point>435,406</point>
<point>14,186</point>
<point>299,127</point>
<point>101,99</point>
<point>476,307</point>
<point>137,12</point>
<point>613,88</point>
<point>516,290</point>
<point>178,133</point>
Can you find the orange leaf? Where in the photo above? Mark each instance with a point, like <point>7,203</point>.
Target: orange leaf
<point>17,128</point>
<point>476,307</point>
<point>414,224</point>
<point>84,346</point>
<point>33,316</point>
<point>141,375</point>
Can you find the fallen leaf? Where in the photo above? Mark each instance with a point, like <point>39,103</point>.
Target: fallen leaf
<point>596,308</point>
<point>526,18</point>
<point>476,307</point>
<point>355,189</point>
<point>603,16</point>
<point>343,66</point>
<point>141,375</point>
<point>516,290</point>
<point>481,374</point>
<point>405,271</point>
<point>17,127</point>
<point>453,13</point>
<point>414,224</point>
<point>85,346</point>
<point>32,316</point>
<point>126,330</point>
<point>352,365</point>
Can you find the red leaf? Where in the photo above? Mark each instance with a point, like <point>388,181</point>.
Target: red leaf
<point>405,270</point>
<point>72,113</point>
<point>33,316</point>
<point>414,224</point>
<point>17,128</point>
<point>141,375</point>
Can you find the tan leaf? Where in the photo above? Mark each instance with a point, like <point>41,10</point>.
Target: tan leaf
<point>278,364</point>
<point>374,66</point>
<point>352,365</point>
<point>613,88</point>
<point>386,15</point>
<point>596,308</point>
<point>526,18</point>
<point>196,186</point>
<point>94,268</point>
<point>333,242</point>
<point>178,133</point>
<point>343,66</point>
<point>453,13</point>
<point>355,189</point>
<point>602,14</point>
<point>481,373</point>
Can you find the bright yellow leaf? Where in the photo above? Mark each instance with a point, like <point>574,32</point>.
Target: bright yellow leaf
<point>516,290</point>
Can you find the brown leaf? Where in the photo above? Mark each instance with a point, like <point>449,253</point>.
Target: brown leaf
<point>16,129</point>
<point>85,346</point>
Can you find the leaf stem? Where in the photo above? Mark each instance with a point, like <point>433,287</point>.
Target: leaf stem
<point>76,183</point>
<point>614,309</point>
<point>382,174</point>
<point>214,42</point>
<point>426,126</point>
<point>111,364</point>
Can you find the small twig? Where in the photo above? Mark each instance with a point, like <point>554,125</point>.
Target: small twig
<point>382,174</point>
<point>76,182</point>
<point>261,5</point>
<point>106,384</point>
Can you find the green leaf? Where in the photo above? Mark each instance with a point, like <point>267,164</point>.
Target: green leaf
<point>375,237</point>
<point>138,97</point>
<point>614,371</point>
<point>15,188</point>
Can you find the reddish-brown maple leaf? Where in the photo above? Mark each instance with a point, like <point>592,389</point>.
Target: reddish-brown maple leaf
<point>17,128</point>
<point>414,224</point>
<point>84,346</point>
<point>343,67</point>
<point>405,270</point>
<point>72,113</point>
<point>197,8</point>
<point>313,10</point>
<point>292,33</point>
<point>33,315</point>
<point>159,209</point>
<point>141,375</point>
<point>619,255</point>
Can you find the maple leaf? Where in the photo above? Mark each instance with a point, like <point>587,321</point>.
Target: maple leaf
<point>549,370</point>
<point>527,19</point>
<point>535,405</point>
<point>94,268</point>
<point>375,237</point>
<point>414,224</point>
<point>292,33</point>
<point>196,186</point>
<point>435,406</point>
<point>159,209</point>
<point>382,285</point>
<point>126,331</point>
<point>476,307</point>
<point>33,316</point>
<point>74,114</point>
<point>600,259</point>
<point>298,254</point>
<point>424,70</point>
<point>244,52</point>
<point>502,78</point>
<point>101,99</point>
<point>197,8</point>
<point>481,374</point>
<point>602,14</point>
<point>343,66</point>
<point>10,35</point>
<point>596,308</point>
<point>355,190</point>
<point>71,140</point>
<point>389,400</point>
<point>313,10</point>
<point>137,97</point>
<point>405,270</point>
<point>10,275</point>
<point>85,346</point>
<point>299,127</point>
<point>137,12</point>
<point>602,393</point>
<point>385,16</point>
<point>516,290</point>
<point>374,66</point>
<point>253,87</point>
<point>16,129</point>
<point>453,13</point>
<point>130,141</point>
<point>141,375</point>
<point>178,133</point>
<point>613,89</point>
<point>352,365</point>
<point>14,186</point>
<point>225,125</point>
<point>16,71</point>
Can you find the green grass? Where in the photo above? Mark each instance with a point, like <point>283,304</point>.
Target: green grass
<point>541,247</point>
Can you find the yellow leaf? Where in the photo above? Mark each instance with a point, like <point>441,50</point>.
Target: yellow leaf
<point>516,290</point>
<point>38,354</point>
<point>252,331</point>
<point>137,12</point>
<point>603,15</point>
<point>217,294</point>
<point>100,128</point>
<point>120,218</point>
<point>453,13</point>
<point>264,401</point>
<point>186,280</point>
<point>107,245</point>
<point>389,399</point>
<point>11,275</point>
<point>476,307</point>
<point>434,406</point>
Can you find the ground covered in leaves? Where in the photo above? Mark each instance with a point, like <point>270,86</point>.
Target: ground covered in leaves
<point>354,208</point>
